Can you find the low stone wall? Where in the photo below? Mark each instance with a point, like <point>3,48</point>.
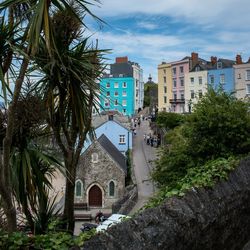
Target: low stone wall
<point>211,218</point>
<point>127,202</point>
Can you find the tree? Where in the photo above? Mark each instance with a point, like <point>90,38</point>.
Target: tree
<point>169,120</point>
<point>218,127</point>
<point>25,23</point>
<point>70,90</point>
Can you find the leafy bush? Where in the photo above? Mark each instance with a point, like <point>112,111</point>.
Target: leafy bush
<point>203,176</point>
<point>219,128</point>
<point>169,120</point>
<point>55,241</point>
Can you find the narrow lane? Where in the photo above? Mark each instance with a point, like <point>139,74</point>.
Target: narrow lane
<point>142,156</point>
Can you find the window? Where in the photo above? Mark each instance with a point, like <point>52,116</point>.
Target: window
<point>174,83</point>
<point>197,68</point>
<point>107,85</point>
<point>174,71</point>
<point>200,93</point>
<point>165,89</point>
<point>165,99</point>
<point>164,71</point>
<point>165,79</point>
<point>116,102</point>
<point>239,76</point>
<point>94,157</point>
<point>111,188</point>
<point>182,81</point>
<point>121,139</point>
<point>192,94</point>
<point>106,103</point>
<point>222,78</point>
<point>124,93</point>
<point>78,188</point>
<point>124,102</point>
<point>182,96</point>
<point>219,65</point>
<point>175,95</point>
<point>124,85</point>
<point>116,85</point>
<point>116,93</point>
<point>200,80</point>
<point>192,80</point>
<point>181,69</point>
<point>212,79</point>
<point>248,89</point>
<point>108,93</point>
<point>248,75</point>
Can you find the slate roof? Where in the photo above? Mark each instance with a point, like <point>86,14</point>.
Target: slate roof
<point>113,152</point>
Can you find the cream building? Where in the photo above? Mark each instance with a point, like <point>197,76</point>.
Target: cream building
<point>164,86</point>
<point>195,87</point>
<point>242,80</point>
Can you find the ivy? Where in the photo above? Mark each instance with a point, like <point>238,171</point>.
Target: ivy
<point>200,176</point>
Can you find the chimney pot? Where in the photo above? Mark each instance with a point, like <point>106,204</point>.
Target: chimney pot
<point>121,59</point>
<point>238,59</point>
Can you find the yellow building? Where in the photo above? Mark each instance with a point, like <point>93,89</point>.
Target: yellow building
<point>164,86</point>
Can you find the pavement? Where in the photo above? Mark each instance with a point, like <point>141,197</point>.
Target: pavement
<point>143,163</point>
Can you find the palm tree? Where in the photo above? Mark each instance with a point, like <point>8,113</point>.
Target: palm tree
<point>70,91</point>
<point>31,20</point>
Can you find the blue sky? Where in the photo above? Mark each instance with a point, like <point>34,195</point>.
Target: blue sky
<point>152,31</point>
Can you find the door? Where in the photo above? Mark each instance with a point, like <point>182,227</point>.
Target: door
<point>95,196</point>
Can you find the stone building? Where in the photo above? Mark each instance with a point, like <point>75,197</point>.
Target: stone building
<point>101,172</point>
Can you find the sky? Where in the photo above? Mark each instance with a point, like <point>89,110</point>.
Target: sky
<point>152,31</point>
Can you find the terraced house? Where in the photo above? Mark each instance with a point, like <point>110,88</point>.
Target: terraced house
<point>123,88</point>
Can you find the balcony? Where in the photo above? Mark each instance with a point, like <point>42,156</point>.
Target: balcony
<point>177,101</point>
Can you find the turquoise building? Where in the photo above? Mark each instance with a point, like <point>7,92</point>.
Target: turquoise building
<point>117,93</point>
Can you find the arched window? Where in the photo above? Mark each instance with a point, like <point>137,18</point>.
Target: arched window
<point>78,188</point>
<point>111,188</point>
<point>94,157</point>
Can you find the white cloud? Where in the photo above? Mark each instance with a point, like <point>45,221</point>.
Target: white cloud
<point>226,13</point>
<point>147,25</point>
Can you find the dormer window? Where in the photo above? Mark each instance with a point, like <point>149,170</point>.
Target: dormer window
<point>219,65</point>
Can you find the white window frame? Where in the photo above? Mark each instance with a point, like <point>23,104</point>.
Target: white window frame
<point>192,94</point>
<point>78,180</point>
<point>222,78</point>
<point>124,93</point>
<point>116,85</point>
<point>124,103</point>
<point>212,77</point>
<point>248,89</point>
<point>192,80</point>
<point>108,85</point>
<point>124,85</point>
<point>108,93</point>
<point>248,75</point>
<point>116,93</point>
<point>200,80</point>
<point>122,139</point>
<point>116,102</point>
<point>94,158</point>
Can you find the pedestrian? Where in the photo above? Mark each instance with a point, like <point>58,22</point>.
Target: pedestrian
<point>134,131</point>
<point>148,139</point>
<point>139,122</point>
<point>144,137</point>
<point>99,217</point>
<point>151,141</point>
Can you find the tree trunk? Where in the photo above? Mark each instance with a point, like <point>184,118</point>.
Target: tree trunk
<point>68,214</point>
<point>6,187</point>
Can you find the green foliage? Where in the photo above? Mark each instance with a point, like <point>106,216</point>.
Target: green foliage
<point>169,120</point>
<point>199,151</point>
<point>49,241</point>
<point>128,179</point>
<point>199,176</point>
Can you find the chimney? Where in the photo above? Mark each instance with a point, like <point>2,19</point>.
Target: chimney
<point>121,59</point>
<point>213,60</point>
<point>194,58</point>
<point>238,59</point>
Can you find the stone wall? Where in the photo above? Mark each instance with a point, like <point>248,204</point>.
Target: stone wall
<point>127,202</point>
<point>206,218</point>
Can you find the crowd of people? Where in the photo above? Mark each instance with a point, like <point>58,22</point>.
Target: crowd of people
<point>152,140</point>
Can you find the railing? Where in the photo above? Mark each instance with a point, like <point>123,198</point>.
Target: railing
<point>177,100</point>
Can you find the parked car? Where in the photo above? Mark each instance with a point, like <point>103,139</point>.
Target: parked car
<point>87,227</point>
<point>112,220</point>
